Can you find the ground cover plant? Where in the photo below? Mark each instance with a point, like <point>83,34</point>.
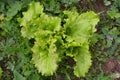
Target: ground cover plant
<point>59,40</point>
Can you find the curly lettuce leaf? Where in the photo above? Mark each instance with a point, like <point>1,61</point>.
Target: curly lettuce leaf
<point>83,61</point>
<point>34,11</point>
<point>0,72</point>
<point>34,19</point>
<point>45,54</point>
<point>80,27</point>
<point>45,57</point>
<point>49,23</point>
<point>30,18</point>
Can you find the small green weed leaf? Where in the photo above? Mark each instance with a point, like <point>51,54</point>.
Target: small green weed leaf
<point>114,32</point>
<point>27,73</point>
<point>14,10</point>
<point>2,7</point>
<point>113,14</point>
<point>35,76</point>
<point>18,76</point>
<point>68,2</point>
<point>107,2</point>
<point>117,40</point>
<point>109,43</point>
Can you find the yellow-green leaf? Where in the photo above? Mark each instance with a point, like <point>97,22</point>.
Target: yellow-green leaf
<point>83,62</point>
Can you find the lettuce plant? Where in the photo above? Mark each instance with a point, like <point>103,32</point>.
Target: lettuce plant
<point>53,40</point>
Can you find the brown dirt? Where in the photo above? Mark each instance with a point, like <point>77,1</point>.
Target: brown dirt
<point>117,79</point>
<point>4,66</point>
<point>111,66</point>
<point>96,5</point>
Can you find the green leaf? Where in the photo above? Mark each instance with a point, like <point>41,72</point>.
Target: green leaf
<point>34,19</point>
<point>29,19</point>
<point>113,14</point>
<point>83,61</point>
<point>35,9</point>
<point>107,2</point>
<point>14,10</point>
<point>117,40</point>
<point>80,27</point>
<point>68,2</point>
<point>18,76</point>
<point>45,59</point>
<point>35,76</point>
<point>0,72</point>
